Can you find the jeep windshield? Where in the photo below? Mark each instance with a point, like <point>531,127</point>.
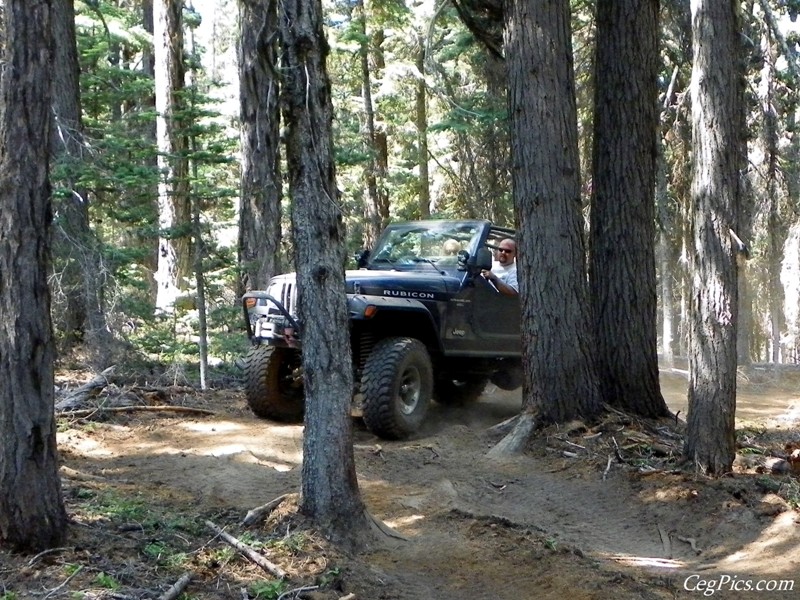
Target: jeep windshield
<point>424,244</point>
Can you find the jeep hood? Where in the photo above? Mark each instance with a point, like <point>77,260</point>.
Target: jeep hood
<point>402,284</point>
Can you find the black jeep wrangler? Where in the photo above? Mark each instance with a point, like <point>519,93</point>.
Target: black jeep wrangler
<point>423,324</point>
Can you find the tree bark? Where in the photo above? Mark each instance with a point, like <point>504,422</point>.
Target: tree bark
<point>261,189</point>
<point>329,488</point>
<point>790,280</point>
<point>421,124</point>
<point>32,515</point>
<point>174,259</point>
<point>790,268</point>
<point>717,105</point>
<point>776,232</point>
<point>493,148</point>
<point>84,317</point>
<point>377,205</point>
<point>72,209</point>
<point>622,234</point>
<point>745,318</point>
<point>672,181</point>
<point>560,382</point>
<point>150,134</point>
<point>667,268</point>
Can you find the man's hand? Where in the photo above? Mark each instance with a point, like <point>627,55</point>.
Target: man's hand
<point>497,283</point>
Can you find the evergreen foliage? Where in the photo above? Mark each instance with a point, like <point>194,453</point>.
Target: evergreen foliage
<point>467,135</point>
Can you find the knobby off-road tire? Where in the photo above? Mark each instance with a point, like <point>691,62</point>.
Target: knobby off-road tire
<point>455,392</point>
<point>509,379</point>
<point>271,386</point>
<point>397,383</point>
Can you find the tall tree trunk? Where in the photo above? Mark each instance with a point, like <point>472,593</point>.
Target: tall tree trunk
<point>84,317</point>
<point>174,215</point>
<point>421,123</point>
<point>744,326</point>
<point>685,282</point>
<point>494,144</point>
<point>665,224</point>
<point>381,135</point>
<point>377,206</point>
<point>32,515</point>
<point>560,382</point>
<point>717,115</point>
<point>196,201</point>
<point>790,270</point>
<point>150,260</point>
<point>790,280</point>
<point>776,239</point>
<point>261,189</point>
<point>200,286</point>
<point>677,29</point>
<point>329,488</point>
<point>768,142</point>
<point>666,266</point>
<point>622,235</point>
<point>667,301</point>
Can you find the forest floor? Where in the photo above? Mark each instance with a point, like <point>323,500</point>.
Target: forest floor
<point>589,511</point>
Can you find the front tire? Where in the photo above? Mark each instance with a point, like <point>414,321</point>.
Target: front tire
<point>273,387</point>
<point>397,384</point>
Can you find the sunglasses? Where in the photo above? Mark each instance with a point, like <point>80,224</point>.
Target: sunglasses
<point>505,251</point>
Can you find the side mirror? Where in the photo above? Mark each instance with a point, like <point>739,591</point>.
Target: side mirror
<point>361,258</point>
<point>475,264</point>
<point>483,259</point>
<point>463,260</point>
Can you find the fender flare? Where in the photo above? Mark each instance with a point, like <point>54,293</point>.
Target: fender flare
<point>357,305</point>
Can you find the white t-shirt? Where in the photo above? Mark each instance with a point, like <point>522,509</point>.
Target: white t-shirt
<point>507,275</point>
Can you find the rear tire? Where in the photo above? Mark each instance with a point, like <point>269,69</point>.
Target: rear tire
<point>454,392</point>
<point>397,384</point>
<point>272,385</point>
<point>508,379</point>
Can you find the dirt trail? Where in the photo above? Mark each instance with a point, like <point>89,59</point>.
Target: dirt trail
<point>539,526</point>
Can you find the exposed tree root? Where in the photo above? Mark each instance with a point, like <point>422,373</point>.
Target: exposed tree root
<point>383,528</point>
<point>504,427</point>
<point>515,441</point>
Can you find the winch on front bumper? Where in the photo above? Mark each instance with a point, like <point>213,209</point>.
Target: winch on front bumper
<point>268,319</point>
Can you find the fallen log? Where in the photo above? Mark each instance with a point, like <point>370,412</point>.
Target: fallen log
<point>248,552</point>
<point>86,412</point>
<point>177,588</point>
<point>259,512</point>
<point>295,593</point>
<point>79,396</point>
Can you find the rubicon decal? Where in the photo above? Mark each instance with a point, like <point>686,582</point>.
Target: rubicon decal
<point>406,294</point>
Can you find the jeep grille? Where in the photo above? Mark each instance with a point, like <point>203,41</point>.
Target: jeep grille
<point>283,289</point>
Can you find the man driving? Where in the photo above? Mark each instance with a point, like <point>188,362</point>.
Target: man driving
<point>503,274</point>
